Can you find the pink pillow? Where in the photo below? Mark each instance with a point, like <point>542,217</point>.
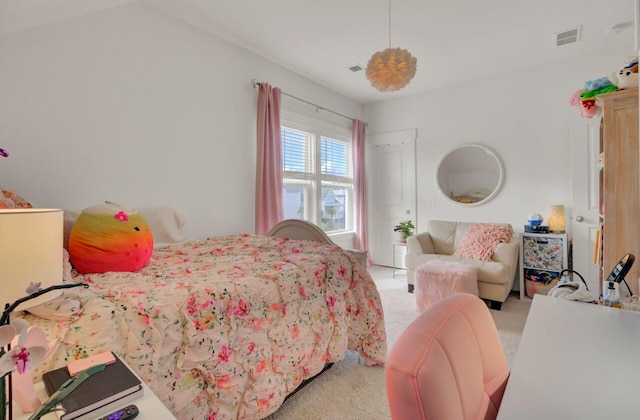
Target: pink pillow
<point>481,239</point>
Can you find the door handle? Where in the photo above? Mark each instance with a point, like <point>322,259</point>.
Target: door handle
<point>579,219</point>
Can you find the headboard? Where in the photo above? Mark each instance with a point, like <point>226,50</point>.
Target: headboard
<point>301,230</point>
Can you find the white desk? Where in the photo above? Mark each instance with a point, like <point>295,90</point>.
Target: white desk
<point>149,405</point>
<point>575,361</point>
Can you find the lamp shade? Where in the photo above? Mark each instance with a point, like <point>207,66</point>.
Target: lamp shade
<point>30,252</point>
<point>555,218</point>
<point>391,69</point>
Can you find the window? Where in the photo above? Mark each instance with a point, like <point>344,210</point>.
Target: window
<point>317,178</point>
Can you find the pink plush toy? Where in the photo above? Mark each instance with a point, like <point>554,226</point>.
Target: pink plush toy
<point>574,100</point>
<point>110,237</point>
<point>587,107</point>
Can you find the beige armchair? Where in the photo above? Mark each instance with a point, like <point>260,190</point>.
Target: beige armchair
<point>495,277</point>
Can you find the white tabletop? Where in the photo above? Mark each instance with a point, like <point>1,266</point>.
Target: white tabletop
<point>575,361</point>
<point>149,405</point>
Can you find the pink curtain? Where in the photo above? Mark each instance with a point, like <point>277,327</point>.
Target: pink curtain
<point>269,207</point>
<point>359,187</point>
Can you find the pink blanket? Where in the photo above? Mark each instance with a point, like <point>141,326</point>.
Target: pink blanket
<point>226,328</point>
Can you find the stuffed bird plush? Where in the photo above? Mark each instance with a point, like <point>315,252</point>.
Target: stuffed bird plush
<point>109,237</point>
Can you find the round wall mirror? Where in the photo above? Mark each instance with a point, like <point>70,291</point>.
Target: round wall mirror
<point>470,175</point>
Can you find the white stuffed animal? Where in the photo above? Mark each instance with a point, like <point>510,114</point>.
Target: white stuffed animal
<point>628,76</point>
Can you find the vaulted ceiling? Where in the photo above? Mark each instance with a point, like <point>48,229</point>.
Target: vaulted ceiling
<point>453,40</point>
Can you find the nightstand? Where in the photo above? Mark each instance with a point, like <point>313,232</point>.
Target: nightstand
<point>542,255</point>
<point>393,260</point>
<point>149,405</point>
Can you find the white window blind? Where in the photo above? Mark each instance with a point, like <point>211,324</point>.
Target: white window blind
<point>317,178</point>
<point>297,153</point>
<point>335,157</point>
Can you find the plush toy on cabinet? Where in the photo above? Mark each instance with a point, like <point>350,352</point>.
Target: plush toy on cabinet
<point>586,98</point>
<point>587,107</point>
<point>597,84</point>
<point>628,76</point>
<point>621,79</point>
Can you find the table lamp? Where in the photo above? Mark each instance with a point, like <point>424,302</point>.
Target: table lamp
<point>555,218</point>
<point>30,267</point>
<point>30,252</point>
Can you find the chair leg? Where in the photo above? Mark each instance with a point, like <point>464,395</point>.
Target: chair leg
<point>410,288</point>
<point>494,304</point>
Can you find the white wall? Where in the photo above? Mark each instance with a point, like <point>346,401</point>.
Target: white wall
<point>134,106</point>
<point>522,116</point>
<point>137,107</point>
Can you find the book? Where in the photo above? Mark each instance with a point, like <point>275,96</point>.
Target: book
<point>102,393</point>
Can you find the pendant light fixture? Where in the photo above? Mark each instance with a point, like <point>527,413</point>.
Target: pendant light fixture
<point>391,69</point>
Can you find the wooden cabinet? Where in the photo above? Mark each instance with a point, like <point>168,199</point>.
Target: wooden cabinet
<point>619,183</point>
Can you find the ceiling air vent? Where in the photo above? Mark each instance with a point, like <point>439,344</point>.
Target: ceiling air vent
<point>568,37</point>
<point>356,68</point>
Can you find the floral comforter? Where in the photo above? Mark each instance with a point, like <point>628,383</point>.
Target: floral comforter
<point>228,327</point>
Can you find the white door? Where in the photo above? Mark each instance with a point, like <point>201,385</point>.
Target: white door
<point>391,173</point>
<point>585,138</point>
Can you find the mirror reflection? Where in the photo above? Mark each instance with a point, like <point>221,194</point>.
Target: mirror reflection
<point>470,174</point>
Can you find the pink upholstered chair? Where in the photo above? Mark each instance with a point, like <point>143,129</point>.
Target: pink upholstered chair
<point>448,364</point>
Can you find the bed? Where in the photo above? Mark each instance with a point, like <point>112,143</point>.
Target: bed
<point>227,327</point>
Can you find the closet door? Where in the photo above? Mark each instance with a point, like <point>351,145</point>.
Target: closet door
<point>585,148</point>
<point>391,186</point>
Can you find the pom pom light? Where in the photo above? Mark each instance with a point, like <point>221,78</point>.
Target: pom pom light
<point>391,69</point>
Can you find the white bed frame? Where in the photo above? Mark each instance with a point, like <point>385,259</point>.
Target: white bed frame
<point>301,230</point>
<point>306,231</point>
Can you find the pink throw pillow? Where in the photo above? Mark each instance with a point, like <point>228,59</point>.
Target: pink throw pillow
<point>481,239</point>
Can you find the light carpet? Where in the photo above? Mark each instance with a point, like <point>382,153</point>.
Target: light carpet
<point>352,390</point>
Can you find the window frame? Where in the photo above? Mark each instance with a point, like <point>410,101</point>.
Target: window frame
<point>315,181</point>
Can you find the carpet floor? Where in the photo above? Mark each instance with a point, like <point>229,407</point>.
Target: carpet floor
<point>351,390</point>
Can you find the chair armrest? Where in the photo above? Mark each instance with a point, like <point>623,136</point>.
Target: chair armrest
<point>507,253</point>
<point>420,244</point>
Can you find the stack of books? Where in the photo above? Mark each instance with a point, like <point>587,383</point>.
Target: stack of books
<point>536,229</point>
<point>101,394</point>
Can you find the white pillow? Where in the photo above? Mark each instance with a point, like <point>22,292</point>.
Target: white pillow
<point>165,223</point>
<point>69,218</point>
<point>59,308</point>
<point>166,226</point>
<point>64,306</point>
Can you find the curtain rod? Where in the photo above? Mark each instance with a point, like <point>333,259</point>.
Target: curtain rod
<point>255,83</point>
